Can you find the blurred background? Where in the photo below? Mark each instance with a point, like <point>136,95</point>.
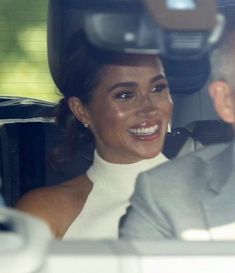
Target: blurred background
<point>23,50</point>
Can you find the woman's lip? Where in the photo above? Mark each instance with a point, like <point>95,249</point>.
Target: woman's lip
<point>146,124</point>
<point>145,131</point>
<point>147,137</point>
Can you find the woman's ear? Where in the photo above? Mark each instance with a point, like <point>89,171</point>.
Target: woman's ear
<point>79,110</point>
<point>223,99</point>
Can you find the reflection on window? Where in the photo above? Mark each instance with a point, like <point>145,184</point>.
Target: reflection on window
<point>181,4</point>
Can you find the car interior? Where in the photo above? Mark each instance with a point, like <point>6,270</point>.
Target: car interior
<point>29,134</point>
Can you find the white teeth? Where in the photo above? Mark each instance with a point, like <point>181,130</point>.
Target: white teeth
<point>143,131</point>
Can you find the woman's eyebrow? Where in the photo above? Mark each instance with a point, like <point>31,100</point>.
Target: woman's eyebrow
<point>134,84</point>
<point>158,78</point>
<point>123,84</point>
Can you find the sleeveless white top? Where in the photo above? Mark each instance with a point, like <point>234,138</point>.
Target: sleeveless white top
<point>113,184</point>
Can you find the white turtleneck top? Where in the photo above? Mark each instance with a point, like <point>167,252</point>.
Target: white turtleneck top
<point>113,185</point>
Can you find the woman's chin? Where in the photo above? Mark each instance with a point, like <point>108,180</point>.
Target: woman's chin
<point>149,149</point>
<point>148,154</point>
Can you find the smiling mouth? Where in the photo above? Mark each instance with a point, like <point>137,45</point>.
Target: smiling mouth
<point>144,131</point>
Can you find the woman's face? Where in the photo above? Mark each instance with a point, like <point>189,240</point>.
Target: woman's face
<point>130,110</point>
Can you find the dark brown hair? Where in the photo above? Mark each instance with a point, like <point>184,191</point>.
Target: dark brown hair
<point>81,72</point>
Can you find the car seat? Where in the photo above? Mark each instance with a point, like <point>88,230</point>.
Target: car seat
<point>24,159</point>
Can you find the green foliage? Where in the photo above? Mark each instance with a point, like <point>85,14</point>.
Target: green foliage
<point>24,69</point>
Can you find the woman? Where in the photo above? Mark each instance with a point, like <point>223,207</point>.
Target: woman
<point>122,102</point>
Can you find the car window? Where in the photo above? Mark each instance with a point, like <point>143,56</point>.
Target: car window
<point>24,70</point>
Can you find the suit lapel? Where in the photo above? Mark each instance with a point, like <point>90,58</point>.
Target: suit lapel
<point>219,205</point>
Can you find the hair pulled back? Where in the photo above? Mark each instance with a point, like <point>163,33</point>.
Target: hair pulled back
<point>81,72</point>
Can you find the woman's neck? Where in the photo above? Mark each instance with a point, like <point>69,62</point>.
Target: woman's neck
<point>119,178</point>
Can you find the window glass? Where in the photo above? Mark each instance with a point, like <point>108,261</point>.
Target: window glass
<point>24,68</point>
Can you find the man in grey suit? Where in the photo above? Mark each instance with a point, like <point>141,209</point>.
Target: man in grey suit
<point>192,197</point>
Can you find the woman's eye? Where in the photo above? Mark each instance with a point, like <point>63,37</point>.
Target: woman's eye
<point>159,88</point>
<point>124,95</point>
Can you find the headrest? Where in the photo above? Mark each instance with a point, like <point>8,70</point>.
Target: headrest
<point>186,77</point>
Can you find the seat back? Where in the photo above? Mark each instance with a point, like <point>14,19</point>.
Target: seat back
<point>25,149</point>
<point>209,132</point>
<point>175,142</point>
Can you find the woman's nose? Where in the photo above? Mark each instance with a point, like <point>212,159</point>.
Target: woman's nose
<point>148,105</point>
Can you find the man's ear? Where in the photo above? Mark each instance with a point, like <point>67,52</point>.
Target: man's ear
<point>78,109</point>
<point>223,99</point>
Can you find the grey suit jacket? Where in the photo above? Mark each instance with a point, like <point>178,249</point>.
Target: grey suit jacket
<point>191,198</point>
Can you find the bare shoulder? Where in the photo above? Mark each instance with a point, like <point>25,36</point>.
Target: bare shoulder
<point>57,205</point>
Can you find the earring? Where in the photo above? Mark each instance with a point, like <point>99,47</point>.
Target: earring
<point>169,128</point>
<point>85,125</point>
